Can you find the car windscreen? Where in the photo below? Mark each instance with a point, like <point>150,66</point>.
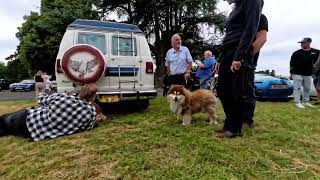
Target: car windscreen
<point>263,77</point>
<point>27,82</point>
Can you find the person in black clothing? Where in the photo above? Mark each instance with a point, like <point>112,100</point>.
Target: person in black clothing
<point>301,65</point>
<point>260,39</point>
<point>236,64</point>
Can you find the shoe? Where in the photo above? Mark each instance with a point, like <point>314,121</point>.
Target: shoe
<point>227,134</point>
<point>220,130</point>
<point>299,105</point>
<point>308,104</point>
<point>317,103</point>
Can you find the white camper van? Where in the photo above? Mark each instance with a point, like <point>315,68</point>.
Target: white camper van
<point>114,55</point>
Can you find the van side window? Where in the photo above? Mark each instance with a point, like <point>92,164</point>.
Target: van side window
<point>122,46</point>
<point>96,40</point>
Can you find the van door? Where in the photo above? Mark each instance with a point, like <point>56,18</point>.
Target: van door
<point>124,66</point>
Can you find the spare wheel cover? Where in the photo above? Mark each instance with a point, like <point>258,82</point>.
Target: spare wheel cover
<point>83,64</point>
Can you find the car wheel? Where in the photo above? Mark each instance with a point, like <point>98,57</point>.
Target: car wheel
<point>87,69</point>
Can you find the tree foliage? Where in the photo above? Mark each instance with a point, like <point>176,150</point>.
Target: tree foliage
<point>3,70</point>
<point>40,34</point>
<point>16,70</point>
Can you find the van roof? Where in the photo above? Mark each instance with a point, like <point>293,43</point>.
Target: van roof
<point>104,25</point>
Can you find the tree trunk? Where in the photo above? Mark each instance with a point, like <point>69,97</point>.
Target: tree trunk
<point>159,53</point>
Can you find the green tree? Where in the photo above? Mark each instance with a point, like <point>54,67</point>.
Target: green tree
<point>16,70</point>
<point>40,34</point>
<point>3,70</point>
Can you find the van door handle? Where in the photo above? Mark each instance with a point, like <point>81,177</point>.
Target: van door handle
<point>112,59</point>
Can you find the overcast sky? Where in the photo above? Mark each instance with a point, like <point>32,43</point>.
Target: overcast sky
<point>289,22</point>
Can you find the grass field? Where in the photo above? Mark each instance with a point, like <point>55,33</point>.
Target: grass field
<point>284,144</point>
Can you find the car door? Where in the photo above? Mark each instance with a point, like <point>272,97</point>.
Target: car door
<point>124,66</point>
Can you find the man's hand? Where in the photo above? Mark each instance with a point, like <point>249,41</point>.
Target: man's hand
<point>216,68</point>
<point>100,117</point>
<point>235,66</point>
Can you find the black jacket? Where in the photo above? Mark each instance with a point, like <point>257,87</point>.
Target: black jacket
<point>302,61</point>
<point>242,26</point>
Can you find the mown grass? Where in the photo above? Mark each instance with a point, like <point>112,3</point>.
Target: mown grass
<point>151,144</point>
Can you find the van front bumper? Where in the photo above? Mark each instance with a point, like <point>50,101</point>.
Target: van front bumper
<point>115,96</point>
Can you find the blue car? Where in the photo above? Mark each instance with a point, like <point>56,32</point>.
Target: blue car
<point>269,87</point>
<point>25,85</point>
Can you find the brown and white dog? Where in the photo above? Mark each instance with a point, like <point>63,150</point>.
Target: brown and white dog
<point>184,103</point>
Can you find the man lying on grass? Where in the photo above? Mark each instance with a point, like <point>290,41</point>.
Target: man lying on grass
<point>57,115</point>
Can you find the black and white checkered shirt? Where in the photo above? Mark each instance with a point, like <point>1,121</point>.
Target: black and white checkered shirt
<point>59,115</point>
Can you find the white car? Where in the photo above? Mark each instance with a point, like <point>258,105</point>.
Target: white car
<point>114,55</point>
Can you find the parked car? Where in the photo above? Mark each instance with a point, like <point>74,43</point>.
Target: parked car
<point>25,85</point>
<point>269,87</point>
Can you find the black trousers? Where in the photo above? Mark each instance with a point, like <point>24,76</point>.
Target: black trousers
<point>14,124</point>
<point>250,101</point>
<point>236,90</point>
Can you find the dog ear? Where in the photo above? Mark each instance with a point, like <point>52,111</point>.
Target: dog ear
<point>170,89</point>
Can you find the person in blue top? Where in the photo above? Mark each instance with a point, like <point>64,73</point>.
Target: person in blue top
<point>205,69</point>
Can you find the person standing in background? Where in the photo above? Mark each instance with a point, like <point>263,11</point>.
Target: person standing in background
<point>204,71</point>
<point>39,83</point>
<point>178,62</point>
<point>47,82</point>
<point>301,65</point>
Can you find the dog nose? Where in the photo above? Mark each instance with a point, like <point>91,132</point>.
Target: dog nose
<point>176,99</point>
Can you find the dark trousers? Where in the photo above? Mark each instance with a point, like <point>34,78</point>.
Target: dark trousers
<point>175,80</point>
<point>250,101</point>
<point>235,90</point>
<point>14,124</point>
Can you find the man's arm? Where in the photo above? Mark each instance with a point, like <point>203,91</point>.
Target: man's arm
<point>261,39</point>
<point>189,66</point>
<point>100,116</point>
<point>292,61</point>
<point>167,65</point>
